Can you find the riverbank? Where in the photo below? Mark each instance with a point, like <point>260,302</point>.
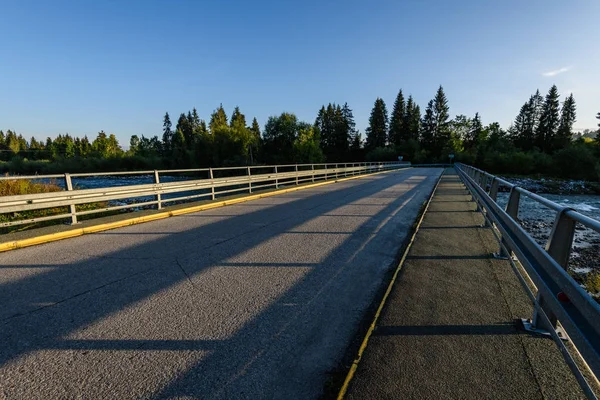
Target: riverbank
<point>537,184</point>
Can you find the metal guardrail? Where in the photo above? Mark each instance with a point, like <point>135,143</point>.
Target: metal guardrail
<point>216,182</point>
<point>560,304</point>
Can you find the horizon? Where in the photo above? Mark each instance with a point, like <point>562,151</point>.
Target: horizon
<point>82,68</point>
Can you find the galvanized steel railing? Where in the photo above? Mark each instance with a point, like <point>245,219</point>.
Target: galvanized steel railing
<point>560,302</point>
<point>212,185</point>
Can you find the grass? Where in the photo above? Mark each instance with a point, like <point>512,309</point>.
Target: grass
<point>21,186</point>
<point>592,283</point>
<point>14,187</point>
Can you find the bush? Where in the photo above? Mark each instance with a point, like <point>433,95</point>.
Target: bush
<point>382,154</point>
<point>575,162</point>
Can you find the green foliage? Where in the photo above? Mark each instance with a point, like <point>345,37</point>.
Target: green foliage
<point>336,127</point>
<point>592,283</point>
<point>285,140</point>
<point>549,121</point>
<point>382,154</point>
<point>538,142</point>
<point>377,131</point>
<point>397,131</point>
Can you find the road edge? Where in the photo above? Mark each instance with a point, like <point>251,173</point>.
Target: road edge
<point>365,341</point>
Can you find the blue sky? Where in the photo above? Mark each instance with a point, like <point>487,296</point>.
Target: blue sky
<point>117,66</point>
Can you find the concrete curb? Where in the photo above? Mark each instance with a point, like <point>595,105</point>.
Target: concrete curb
<point>18,244</point>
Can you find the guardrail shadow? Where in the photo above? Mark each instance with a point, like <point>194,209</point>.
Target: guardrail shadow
<point>44,310</point>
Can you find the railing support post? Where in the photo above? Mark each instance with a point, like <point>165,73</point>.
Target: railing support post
<point>296,174</point>
<point>249,181</point>
<point>561,238</point>
<point>72,207</point>
<point>276,179</point>
<point>158,195</point>
<point>512,209</point>
<point>494,189</point>
<point>313,172</point>
<point>325,171</point>
<point>336,171</point>
<point>212,183</point>
<point>537,323</point>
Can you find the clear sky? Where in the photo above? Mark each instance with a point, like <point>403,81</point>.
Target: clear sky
<point>84,66</point>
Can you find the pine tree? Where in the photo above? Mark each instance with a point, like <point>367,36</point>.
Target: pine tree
<point>238,120</point>
<point>428,128</point>
<point>567,119</point>
<point>441,136</point>
<point>255,128</point>
<point>218,120</point>
<point>184,125</point>
<point>349,121</point>
<point>412,119</point>
<point>397,131</point>
<point>378,125</point>
<point>167,138</point>
<point>549,120</point>
<point>519,129</point>
<point>475,133</point>
<point>195,118</point>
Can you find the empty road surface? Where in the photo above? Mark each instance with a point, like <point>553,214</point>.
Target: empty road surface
<point>254,300</point>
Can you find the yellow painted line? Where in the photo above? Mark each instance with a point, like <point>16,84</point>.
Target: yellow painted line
<point>365,341</point>
<point>13,245</point>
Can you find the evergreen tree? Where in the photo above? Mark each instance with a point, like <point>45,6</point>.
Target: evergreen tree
<point>218,119</point>
<point>568,116</point>
<point>412,120</point>
<point>549,120</point>
<point>185,126</point>
<point>348,117</point>
<point>397,132</point>
<point>475,133</point>
<point>378,125</point>
<point>427,133</point>
<point>167,137</point>
<point>441,133</point>
<point>519,132</point>
<point>238,120</point>
<point>255,128</point>
<point>195,118</point>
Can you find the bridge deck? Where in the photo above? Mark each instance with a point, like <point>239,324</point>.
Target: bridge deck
<point>449,328</point>
<point>256,300</point>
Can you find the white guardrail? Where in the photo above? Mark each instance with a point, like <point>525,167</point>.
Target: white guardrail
<point>203,183</point>
<point>562,308</point>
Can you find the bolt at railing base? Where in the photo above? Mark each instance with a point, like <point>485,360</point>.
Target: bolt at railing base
<point>500,256</point>
<point>529,327</point>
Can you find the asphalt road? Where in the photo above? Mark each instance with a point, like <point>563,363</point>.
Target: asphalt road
<point>254,300</point>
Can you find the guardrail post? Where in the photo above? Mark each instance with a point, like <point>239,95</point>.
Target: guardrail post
<point>537,323</point>
<point>249,181</point>
<point>212,183</point>
<point>72,208</point>
<point>512,209</point>
<point>561,238</point>
<point>296,174</point>
<point>276,179</point>
<point>336,171</point>
<point>494,189</point>
<point>313,172</point>
<point>325,171</point>
<point>158,195</point>
<point>345,170</point>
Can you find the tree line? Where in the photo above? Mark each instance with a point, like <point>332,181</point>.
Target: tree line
<point>540,140</point>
